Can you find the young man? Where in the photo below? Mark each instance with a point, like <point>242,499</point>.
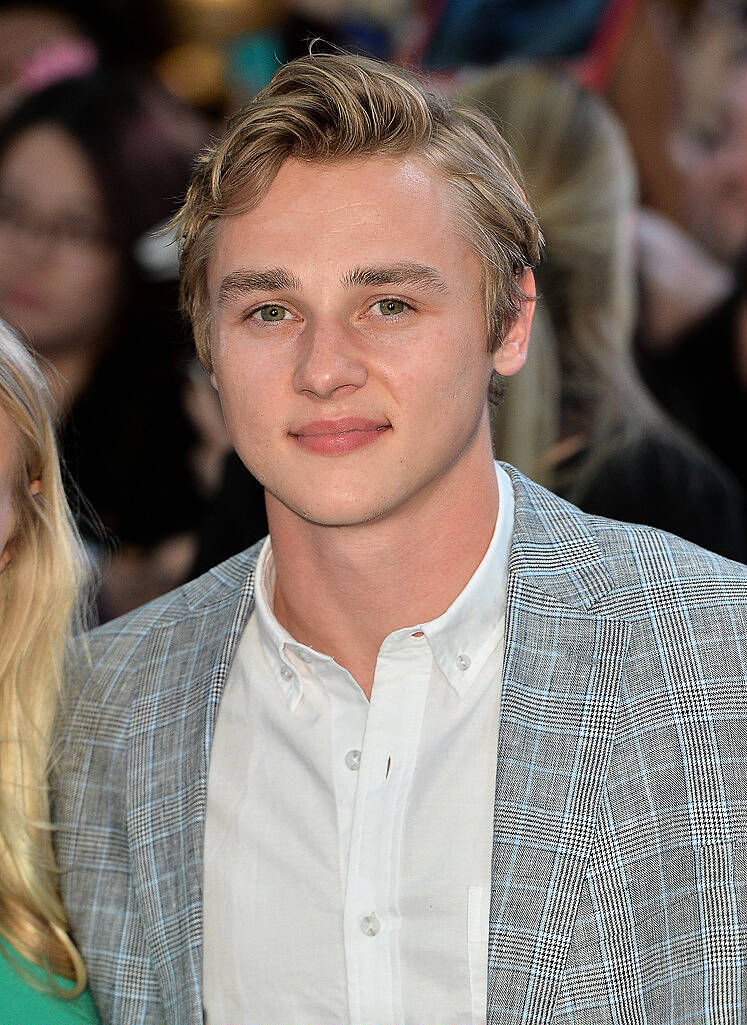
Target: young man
<point>443,749</point>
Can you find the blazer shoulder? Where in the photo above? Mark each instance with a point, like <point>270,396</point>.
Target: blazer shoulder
<point>645,553</point>
<point>654,569</point>
<point>203,594</point>
<point>117,650</point>
<point>618,568</point>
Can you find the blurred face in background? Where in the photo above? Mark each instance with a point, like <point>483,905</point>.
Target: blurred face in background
<point>709,149</point>
<point>59,270</point>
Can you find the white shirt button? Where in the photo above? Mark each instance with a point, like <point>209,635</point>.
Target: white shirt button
<point>463,661</point>
<point>286,672</point>
<point>370,925</point>
<point>353,760</point>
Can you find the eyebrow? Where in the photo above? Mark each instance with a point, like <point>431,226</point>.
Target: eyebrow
<point>275,279</point>
<point>272,279</point>
<point>395,274</point>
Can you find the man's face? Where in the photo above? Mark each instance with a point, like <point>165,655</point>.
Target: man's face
<point>349,340</point>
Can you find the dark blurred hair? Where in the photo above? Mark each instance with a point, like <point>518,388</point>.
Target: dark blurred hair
<point>131,31</point>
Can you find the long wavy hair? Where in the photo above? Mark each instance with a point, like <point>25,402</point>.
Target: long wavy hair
<point>41,606</point>
<point>580,378</point>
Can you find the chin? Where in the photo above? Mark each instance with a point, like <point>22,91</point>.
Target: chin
<point>338,510</point>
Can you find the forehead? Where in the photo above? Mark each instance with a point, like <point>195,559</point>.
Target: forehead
<point>376,208</point>
<point>379,178</point>
<point>47,165</point>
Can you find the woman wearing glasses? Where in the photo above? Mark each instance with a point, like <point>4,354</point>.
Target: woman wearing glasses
<point>89,168</point>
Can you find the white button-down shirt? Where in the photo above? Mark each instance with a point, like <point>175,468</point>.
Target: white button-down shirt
<point>348,844</point>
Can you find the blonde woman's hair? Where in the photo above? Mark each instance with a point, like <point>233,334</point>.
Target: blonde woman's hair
<point>40,603</point>
<point>330,107</point>
<point>582,183</point>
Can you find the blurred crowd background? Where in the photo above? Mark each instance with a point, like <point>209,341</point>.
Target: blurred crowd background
<point>629,118</point>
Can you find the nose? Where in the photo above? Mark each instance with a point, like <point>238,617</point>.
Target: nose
<point>327,361</point>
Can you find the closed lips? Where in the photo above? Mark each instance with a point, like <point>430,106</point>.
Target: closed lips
<point>322,428</point>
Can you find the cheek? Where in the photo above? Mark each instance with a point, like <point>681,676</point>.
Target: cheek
<point>249,401</point>
<point>462,374</point>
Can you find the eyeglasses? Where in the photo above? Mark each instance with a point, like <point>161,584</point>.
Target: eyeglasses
<point>70,233</point>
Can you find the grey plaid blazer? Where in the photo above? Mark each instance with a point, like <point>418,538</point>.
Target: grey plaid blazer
<point>619,883</point>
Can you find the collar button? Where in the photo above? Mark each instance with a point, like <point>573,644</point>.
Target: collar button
<point>463,662</point>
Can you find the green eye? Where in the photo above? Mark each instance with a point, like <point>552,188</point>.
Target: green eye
<point>391,307</point>
<point>272,312</point>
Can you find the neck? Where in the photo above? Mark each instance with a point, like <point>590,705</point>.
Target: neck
<point>342,590</point>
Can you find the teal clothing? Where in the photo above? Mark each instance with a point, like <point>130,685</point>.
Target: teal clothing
<point>22,1004</point>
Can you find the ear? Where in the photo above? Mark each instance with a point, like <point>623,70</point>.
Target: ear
<point>511,355</point>
<point>5,556</point>
<point>214,382</point>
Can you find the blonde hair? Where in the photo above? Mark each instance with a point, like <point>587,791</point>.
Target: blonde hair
<point>583,185</point>
<point>40,603</point>
<point>328,107</point>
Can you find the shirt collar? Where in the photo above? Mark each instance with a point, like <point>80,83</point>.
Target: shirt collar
<point>287,657</point>
<point>461,640</point>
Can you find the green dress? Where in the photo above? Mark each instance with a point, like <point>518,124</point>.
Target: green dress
<point>22,1004</point>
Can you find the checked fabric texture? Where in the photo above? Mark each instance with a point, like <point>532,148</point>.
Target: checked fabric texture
<point>619,880</point>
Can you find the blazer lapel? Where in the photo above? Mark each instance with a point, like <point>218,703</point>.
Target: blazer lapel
<point>169,750</point>
<point>562,672</point>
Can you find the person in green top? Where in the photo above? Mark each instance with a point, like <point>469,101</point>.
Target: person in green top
<point>26,996</point>
<point>42,583</point>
